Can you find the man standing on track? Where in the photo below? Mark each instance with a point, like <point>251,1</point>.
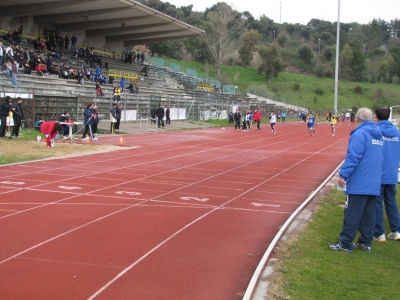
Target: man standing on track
<point>4,113</point>
<point>391,158</point>
<point>18,115</point>
<point>160,116</point>
<point>237,117</point>
<point>360,175</point>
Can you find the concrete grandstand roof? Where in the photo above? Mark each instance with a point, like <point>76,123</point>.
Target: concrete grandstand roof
<point>124,21</point>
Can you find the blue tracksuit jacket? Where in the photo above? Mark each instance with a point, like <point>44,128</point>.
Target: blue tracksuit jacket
<point>362,168</point>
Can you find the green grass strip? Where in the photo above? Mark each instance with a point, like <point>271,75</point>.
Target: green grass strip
<point>309,270</point>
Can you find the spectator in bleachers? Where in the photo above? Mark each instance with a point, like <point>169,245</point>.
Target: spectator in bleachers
<point>99,92</point>
<point>40,70</point>
<point>27,68</point>
<point>81,77</point>
<point>131,88</point>
<point>9,53</point>
<point>130,57</point>
<point>106,65</point>
<point>73,42</point>
<point>54,71</point>
<point>123,55</point>
<point>144,70</point>
<point>14,72</point>
<point>126,57</point>
<point>137,86</point>
<point>97,72</point>
<point>66,42</point>
<point>117,93</point>
<point>142,57</point>
<point>100,61</point>
<point>102,79</point>
<point>8,69</point>
<point>122,83</point>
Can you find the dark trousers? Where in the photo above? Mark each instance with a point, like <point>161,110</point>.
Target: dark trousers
<point>168,121</point>
<point>94,129</point>
<point>230,121</point>
<point>117,124</point>
<point>283,119</point>
<point>258,124</point>
<point>3,126</point>
<point>88,130</point>
<point>387,197</point>
<point>160,120</point>
<point>359,215</point>
<point>237,124</point>
<point>17,126</point>
<point>65,130</point>
<point>273,126</point>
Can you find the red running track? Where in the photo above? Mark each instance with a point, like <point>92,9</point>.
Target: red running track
<point>184,215</point>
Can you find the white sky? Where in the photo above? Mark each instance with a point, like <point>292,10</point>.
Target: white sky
<point>302,11</point>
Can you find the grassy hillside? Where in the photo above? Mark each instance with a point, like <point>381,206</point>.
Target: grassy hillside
<point>317,93</point>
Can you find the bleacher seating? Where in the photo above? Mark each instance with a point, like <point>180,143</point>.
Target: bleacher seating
<point>154,85</point>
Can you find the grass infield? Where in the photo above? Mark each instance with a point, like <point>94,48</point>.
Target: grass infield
<point>309,270</point>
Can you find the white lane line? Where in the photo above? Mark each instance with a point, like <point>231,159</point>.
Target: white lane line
<point>261,204</point>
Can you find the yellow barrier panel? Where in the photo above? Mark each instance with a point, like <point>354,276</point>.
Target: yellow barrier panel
<point>205,87</point>
<point>127,75</point>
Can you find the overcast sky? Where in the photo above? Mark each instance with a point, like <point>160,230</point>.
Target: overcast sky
<point>302,11</point>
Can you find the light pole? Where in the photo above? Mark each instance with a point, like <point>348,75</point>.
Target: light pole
<point>337,60</point>
<point>319,46</point>
<point>274,35</point>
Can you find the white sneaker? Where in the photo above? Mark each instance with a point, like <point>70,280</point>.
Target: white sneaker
<point>394,235</point>
<point>83,139</point>
<point>380,238</point>
<point>95,139</point>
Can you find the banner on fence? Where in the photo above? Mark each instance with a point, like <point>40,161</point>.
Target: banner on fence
<point>130,115</point>
<point>178,113</point>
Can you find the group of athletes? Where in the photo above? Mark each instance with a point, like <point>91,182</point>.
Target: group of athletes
<point>249,119</point>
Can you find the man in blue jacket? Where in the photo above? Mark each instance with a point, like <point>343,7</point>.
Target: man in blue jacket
<point>361,175</point>
<point>391,158</point>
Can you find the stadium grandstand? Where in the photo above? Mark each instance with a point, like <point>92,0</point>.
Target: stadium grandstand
<point>87,45</point>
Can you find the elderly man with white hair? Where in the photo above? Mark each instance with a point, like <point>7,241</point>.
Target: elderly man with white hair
<point>360,175</point>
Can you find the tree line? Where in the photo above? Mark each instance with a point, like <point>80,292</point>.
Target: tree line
<point>368,52</point>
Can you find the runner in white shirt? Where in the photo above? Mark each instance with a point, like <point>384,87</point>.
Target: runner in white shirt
<point>272,121</point>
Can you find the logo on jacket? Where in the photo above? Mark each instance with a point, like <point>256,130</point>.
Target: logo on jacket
<point>377,142</point>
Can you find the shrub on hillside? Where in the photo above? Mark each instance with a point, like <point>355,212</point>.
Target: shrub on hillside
<point>306,53</point>
<point>319,70</point>
<point>319,91</point>
<point>358,90</point>
<point>296,87</point>
<point>395,79</point>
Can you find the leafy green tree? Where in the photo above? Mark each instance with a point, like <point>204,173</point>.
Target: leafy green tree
<point>271,63</point>
<point>222,28</point>
<point>290,28</point>
<point>198,49</point>
<point>305,32</point>
<point>282,40</point>
<point>346,59</point>
<point>249,41</point>
<point>306,54</point>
